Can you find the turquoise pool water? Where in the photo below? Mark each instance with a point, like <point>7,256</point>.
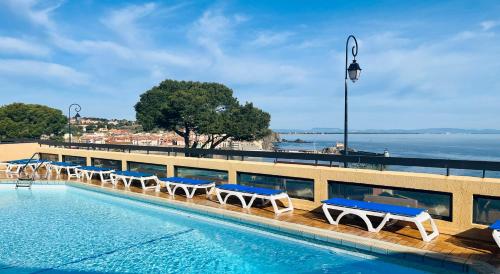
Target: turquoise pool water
<point>60,229</point>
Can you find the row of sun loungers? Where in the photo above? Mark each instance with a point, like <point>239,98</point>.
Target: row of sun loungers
<point>363,209</point>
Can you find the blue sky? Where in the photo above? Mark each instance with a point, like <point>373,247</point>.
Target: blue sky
<point>425,63</point>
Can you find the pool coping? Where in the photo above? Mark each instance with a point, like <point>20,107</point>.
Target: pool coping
<point>328,237</point>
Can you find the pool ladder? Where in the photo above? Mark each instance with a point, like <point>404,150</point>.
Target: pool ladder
<point>24,180</point>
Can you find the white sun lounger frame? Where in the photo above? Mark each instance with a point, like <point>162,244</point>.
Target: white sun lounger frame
<point>186,187</point>
<point>70,170</point>
<point>87,174</point>
<point>496,236</point>
<point>127,181</point>
<point>363,214</point>
<point>16,168</point>
<point>241,196</point>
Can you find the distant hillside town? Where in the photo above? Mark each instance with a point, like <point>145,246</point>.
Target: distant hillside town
<point>125,132</point>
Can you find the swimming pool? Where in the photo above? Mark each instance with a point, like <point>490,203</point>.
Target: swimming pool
<point>60,228</point>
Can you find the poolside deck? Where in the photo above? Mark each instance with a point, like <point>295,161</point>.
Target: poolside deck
<point>447,245</point>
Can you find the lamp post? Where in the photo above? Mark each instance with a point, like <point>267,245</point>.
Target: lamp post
<point>353,71</point>
<point>76,108</point>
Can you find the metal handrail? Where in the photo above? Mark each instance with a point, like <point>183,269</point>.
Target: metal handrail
<point>373,160</point>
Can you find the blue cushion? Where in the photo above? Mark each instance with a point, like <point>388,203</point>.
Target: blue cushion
<point>187,181</point>
<point>24,161</point>
<point>133,173</point>
<point>495,225</point>
<point>64,164</point>
<point>375,207</point>
<point>95,168</point>
<point>250,189</point>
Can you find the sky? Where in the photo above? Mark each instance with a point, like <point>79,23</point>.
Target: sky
<point>425,64</point>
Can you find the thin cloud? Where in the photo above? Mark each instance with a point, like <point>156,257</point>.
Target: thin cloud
<point>13,45</point>
<point>51,72</point>
<point>265,39</point>
<point>487,25</point>
<point>37,12</point>
<point>124,21</point>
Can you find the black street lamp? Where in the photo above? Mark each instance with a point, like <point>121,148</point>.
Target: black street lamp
<point>76,108</point>
<point>353,71</point>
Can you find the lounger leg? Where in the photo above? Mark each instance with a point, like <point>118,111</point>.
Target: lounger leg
<point>252,200</point>
<point>186,191</point>
<point>328,215</point>
<point>496,237</point>
<point>217,193</point>
<point>169,189</point>
<point>242,199</point>
<point>208,190</point>
<point>288,207</point>
<point>344,212</point>
<point>275,206</point>
<point>239,196</point>
<point>158,185</point>
<point>386,218</point>
<point>191,195</point>
<point>419,223</point>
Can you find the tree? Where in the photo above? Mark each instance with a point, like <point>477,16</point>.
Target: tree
<point>20,120</point>
<point>196,109</point>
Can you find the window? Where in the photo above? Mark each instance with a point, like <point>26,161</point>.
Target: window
<point>437,203</point>
<point>75,160</point>
<point>218,176</point>
<point>107,163</point>
<point>486,210</point>
<point>49,157</point>
<point>295,187</point>
<point>158,170</point>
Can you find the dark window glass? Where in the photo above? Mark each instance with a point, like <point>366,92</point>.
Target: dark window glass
<point>75,160</point>
<point>49,157</point>
<point>107,163</point>
<point>295,187</point>
<point>486,209</point>
<point>437,203</point>
<point>217,176</point>
<point>158,170</point>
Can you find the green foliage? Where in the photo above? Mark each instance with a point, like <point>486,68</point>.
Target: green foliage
<point>200,109</point>
<point>19,120</point>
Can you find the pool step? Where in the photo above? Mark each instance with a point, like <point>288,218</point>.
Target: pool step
<point>24,182</point>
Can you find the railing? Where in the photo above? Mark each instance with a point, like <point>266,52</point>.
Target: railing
<point>277,156</point>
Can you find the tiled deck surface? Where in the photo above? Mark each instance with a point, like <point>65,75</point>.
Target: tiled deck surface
<point>445,244</point>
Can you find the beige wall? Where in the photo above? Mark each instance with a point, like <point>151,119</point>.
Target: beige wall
<point>10,152</point>
<point>462,188</point>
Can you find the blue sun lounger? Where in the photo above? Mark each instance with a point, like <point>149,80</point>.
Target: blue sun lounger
<point>187,184</point>
<point>60,166</point>
<point>128,176</point>
<point>240,191</point>
<point>87,172</point>
<point>387,212</point>
<point>496,231</point>
<point>16,166</point>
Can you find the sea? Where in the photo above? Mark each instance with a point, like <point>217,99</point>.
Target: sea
<point>484,147</point>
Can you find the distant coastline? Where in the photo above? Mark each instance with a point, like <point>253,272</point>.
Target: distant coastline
<point>388,131</point>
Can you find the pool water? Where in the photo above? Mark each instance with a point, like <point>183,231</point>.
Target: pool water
<point>61,229</point>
